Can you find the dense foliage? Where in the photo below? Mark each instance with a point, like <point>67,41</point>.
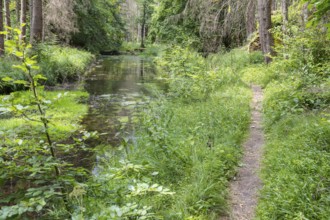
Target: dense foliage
<point>100,25</point>
<point>205,25</point>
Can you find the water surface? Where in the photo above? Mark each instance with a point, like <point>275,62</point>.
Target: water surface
<point>118,88</point>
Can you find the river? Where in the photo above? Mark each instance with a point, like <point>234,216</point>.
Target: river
<point>119,88</point>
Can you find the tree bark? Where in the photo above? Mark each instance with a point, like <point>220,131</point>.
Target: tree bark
<point>265,23</point>
<point>37,22</point>
<point>8,21</point>
<point>7,8</point>
<point>30,8</point>
<point>143,23</point>
<point>274,6</point>
<point>2,37</point>
<point>285,14</point>
<point>250,18</point>
<point>23,20</point>
<point>18,10</point>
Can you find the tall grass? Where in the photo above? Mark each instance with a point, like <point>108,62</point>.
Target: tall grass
<point>63,64</point>
<point>58,64</point>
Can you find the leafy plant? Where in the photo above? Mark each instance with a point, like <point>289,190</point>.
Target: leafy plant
<point>34,177</point>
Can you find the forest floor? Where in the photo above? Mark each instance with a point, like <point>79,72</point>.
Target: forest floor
<point>245,186</point>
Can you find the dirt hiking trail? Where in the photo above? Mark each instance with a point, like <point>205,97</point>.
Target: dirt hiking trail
<point>245,186</point>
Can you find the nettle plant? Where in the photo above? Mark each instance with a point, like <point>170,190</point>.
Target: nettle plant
<point>34,178</point>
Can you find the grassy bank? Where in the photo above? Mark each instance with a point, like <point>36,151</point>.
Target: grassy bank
<point>58,64</point>
<point>188,146</point>
<point>65,111</point>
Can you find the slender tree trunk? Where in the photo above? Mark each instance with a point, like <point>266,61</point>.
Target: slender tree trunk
<point>250,18</point>
<point>30,8</point>
<point>265,23</point>
<point>143,24</point>
<point>285,14</point>
<point>23,20</point>
<point>8,21</point>
<point>2,37</point>
<point>7,8</point>
<point>18,10</point>
<point>37,22</point>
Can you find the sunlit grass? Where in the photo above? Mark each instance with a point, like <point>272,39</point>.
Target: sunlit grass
<point>65,115</point>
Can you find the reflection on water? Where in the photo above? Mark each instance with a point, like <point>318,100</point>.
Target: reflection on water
<point>117,89</point>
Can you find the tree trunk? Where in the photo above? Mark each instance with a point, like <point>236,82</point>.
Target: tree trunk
<point>274,6</point>
<point>143,24</point>
<point>2,37</point>
<point>30,8</point>
<point>7,8</point>
<point>18,10</point>
<point>285,14</point>
<point>23,20</point>
<point>265,23</point>
<point>250,18</point>
<point>8,21</point>
<point>37,22</point>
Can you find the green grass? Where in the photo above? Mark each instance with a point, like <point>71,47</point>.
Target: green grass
<point>58,64</point>
<point>63,64</point>
<point>65,114</point>
<point>296,169</point>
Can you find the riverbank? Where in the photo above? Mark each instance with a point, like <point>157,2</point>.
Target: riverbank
<point>57,63</point>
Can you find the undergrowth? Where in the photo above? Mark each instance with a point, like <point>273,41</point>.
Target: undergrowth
<point>58,64</point>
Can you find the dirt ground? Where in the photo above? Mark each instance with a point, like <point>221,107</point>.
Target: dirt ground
<point>245,186</point>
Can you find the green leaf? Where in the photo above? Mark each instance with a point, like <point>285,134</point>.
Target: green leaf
<point>39,76</point>
<point>7,79</point>
<point>21,82</point>
<point>19,54</point>
<point>21,67</point>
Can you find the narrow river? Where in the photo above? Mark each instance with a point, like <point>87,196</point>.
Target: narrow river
<point>119,89</point>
